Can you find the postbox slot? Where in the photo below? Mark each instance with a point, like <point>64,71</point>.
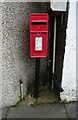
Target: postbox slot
<point>39,23</point>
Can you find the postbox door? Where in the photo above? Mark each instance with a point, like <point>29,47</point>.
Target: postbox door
<point>38,45</point>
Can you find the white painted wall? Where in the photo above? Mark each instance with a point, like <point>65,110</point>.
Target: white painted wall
<point>69,69</point>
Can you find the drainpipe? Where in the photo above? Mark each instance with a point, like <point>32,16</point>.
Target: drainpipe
<point>54,47</point>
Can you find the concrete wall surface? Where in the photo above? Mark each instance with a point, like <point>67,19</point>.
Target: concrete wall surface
<point>16,63</point>
<point>0,56</point>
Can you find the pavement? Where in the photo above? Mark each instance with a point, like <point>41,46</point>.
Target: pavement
<point>54,110</point>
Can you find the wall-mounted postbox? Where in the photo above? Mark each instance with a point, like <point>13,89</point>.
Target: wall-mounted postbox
<point>38,35</point>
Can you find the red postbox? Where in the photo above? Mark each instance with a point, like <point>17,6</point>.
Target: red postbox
<point>38,35</point>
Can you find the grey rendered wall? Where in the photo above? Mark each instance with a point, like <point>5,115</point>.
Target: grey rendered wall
<point>0,58</point>
<point>16,62</point>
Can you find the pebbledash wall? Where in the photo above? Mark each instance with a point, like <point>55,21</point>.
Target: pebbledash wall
<point>16,63</point>
<point>69,66</point>
<point>0,58</point>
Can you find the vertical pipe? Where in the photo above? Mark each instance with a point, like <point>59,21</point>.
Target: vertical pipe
<point>54,47</point>
<point>37,76</point>
<point>50,50</point>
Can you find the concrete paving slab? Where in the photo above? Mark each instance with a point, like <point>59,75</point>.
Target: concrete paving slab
<point>77,110</point>
<point>40,111</point>
<point>4,112</point>
<point>71,109</point>
<point>0,112</point>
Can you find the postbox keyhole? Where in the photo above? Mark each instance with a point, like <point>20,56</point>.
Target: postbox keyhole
<point>38,33</point>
